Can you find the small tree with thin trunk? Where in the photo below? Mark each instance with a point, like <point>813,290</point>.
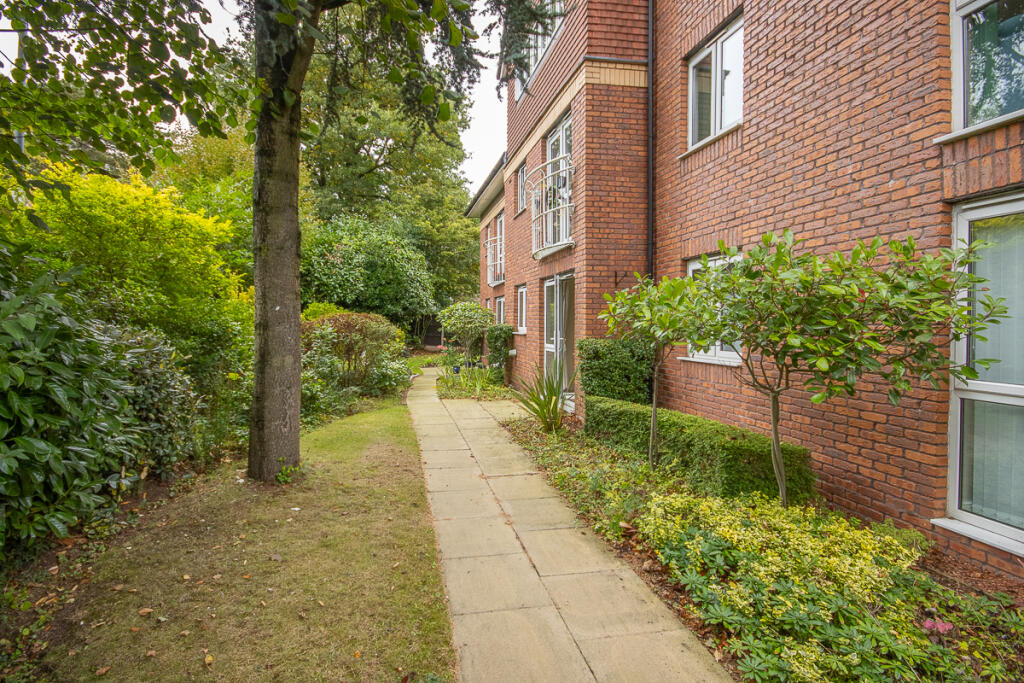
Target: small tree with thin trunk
<point>650,311</point>
<point>828,321</point>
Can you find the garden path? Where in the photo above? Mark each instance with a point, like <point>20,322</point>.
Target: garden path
<point>533,595</point>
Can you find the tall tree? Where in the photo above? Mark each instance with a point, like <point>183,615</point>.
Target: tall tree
<point>286,33</point>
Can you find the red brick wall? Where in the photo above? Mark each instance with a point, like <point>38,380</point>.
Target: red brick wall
<point>842,103</point>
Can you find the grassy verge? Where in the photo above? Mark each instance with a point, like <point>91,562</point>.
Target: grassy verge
<point>791,593</point>
<point>331,577</point>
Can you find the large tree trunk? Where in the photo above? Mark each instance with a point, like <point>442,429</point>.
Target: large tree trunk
<point>777,464</point>
<point>274,422</point>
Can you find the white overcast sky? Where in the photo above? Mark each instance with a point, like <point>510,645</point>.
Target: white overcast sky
<point>484,140</point>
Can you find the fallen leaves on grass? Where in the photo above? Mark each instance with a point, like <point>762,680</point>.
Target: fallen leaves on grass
<point>145,612</point>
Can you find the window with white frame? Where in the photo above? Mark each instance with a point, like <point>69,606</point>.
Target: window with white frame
<point>551,193</point>
<point>988,60</point>
<point>538,44</point>
<point>987,413</point>
<point>521,309</point>
<point>521,188</point>
<point>496,251</point>
<point>721,353</point>
<point>716,86</point>
<point>499,310</point>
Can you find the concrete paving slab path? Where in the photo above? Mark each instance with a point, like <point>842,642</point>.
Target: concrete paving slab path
<point>534,595</point>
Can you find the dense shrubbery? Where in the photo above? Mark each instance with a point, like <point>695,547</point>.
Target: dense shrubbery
<point>717,459</point>
<point>472,382</point>
<point>366,267</point>
<point>466,322</point>
<point>163,402</point>
<point>67,431</point>
<point>499,343</point>
<point>794,593</point>
<point>318,309</point>
<point>616,368</point>
<point>347,355</point>
<point>806,595</point>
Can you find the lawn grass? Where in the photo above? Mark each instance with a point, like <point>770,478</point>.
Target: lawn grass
<point>332,577</point>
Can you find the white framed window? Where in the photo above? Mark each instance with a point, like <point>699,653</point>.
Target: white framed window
<point>521,309</point>
<point>552,193</point>
<point>538,44</point>
<point>716,86</point>
<point>496,251</point>
<point>988,67</point>
<point>986,462</point>
<point>521,188</point>
<point>499,310</point>
<point>488,304</point>
<point>722,353</point>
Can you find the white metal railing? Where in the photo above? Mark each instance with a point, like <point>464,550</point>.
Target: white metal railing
<point>550,186</point>
<point>495,260</point>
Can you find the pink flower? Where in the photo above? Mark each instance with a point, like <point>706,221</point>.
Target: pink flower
<point>937,625</point>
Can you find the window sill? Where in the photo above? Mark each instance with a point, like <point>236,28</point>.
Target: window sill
<point>519,333</point>
<point>978,534</point>
<point>707,141</point>
<point>550,249</point>
<point>496,283</point>
<point>729,362</point>
<point>982,127</point>
<point>516,214</point>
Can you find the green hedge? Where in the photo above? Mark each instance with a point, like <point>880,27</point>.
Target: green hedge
<point>499,341</point>
<point>615,368</point>
<point>716,459</point>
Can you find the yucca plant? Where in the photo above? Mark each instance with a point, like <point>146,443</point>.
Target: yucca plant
<point>543,397</point>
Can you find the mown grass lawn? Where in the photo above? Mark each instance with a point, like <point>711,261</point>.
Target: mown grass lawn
<point>332,577</point>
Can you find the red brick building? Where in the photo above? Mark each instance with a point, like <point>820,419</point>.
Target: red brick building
<point>839,120</point>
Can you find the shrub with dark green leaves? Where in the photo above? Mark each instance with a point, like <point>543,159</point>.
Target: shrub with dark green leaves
<point>499,343</point>
<point>362,342</point>
<point>716,459</point>
<point>68,434</point>
<point>325,392</point>
<point>163,401</point>
<point>616,368</point>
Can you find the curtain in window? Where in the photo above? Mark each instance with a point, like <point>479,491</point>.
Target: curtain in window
<point>1003,267</point>
<point>992,465</point>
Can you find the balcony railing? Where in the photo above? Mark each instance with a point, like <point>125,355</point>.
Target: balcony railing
<point>550,187</point>
<point>495,260</point>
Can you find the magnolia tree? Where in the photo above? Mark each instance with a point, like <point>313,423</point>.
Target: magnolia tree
<point>825,322</point>
<point>466,322</point>
<point>650,312</point>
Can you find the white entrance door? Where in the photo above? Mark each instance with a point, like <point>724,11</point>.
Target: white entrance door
<point>560,331</point>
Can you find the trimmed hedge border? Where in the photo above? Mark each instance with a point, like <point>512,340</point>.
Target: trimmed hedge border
<point>716,459</point>
<point>616,368</point>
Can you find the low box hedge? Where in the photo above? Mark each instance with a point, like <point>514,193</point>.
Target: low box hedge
<point>615,368</point>
<point>716,459</point>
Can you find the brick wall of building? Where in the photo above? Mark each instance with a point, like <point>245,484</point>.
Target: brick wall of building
<point>842,105</point>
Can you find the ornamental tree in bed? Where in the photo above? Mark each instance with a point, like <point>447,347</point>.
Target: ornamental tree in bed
<point>650,312</point>
<point>826,321</point>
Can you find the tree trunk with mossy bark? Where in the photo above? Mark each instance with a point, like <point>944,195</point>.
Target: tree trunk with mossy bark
<point>282,59</point>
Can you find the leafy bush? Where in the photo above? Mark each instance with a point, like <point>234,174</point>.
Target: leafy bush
<point>499,343</point>
<point>717,459</point>
<point>318,309</point>
<point>466,322</point>
<point>616,368</point>
<point>798,594</point>
<point>325,392</point>
<point>543,398</point>
<point>366,267</point>
<point>806,595</point>
<point>476,383</point>
<point>67,431</point>
<point>163,401</point>
<point>361,342</point>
